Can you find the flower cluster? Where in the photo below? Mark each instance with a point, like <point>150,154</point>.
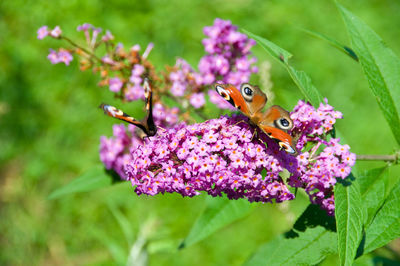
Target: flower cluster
<point>317,173</point>
<point>216,156</point>
<point>227,60</point>
<point>228,53</point>
<point>44,31</point>
<point>221,156</point>
<point>62,56</point>
<point>115,151</point>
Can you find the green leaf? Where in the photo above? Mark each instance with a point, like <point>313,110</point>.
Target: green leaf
<point>343,48</point>
<point>349,215</point>
<point>123,222</point>
<point>312,217</point>
<point>386,225</point>
<point>95,178</point>
<point>117,251</point>
<point>381,66</point>
<point>374,188</point>
<point>302,80</point>
<point>220,212</point>
<point>308,248</point>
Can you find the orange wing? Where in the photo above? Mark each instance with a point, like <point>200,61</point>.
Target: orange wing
<point>285,141</point>
<point>233,96</point>
<point>250,104</point>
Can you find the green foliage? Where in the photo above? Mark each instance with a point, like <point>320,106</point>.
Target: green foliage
<point>380,65</point>
<point>300,78</point>
<point>307,248</point>
<point>386,223</point>
<point>220,212</point>
<point>349,214</point>
<point>343,48</point>
<point>374,188</point>
<point>309,242</point>
<point>95,178</point>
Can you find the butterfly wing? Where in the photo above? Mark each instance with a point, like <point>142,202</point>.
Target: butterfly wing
<point>284,140</point>
<point>147,125</point>
<point>119,114</point>
<point>275,123</point>
<point>249,99</point>
<point>148,94</point>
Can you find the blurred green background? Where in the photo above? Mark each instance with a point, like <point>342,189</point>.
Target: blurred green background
<point>50,124</point>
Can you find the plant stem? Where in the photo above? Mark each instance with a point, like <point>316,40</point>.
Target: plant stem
<point>387,158</point>
<point>83,49</point>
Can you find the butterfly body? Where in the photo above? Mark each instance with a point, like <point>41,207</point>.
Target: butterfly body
<point>147,124</point>
<point>250,100</point>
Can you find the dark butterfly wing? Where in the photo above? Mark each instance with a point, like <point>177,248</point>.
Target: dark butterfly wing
<point>147,125</point>
<point>148,94</point>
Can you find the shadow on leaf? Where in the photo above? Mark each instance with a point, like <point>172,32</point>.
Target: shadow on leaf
<point>312,217</point>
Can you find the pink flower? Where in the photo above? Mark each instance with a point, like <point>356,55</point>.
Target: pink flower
<point>65,57</point>
<point>197,100</point>
<point>42,32</point>
<point>56,32</point>
<point>115,84</point>
<point>107,37</point>
<point>53,57</point>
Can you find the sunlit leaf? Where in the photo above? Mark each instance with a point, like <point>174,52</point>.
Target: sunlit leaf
<point>349,215</point>
<point>220,212</point>
<point>124,223</point>
<point>381,66</point>
<point>308,248</point>
<point>117,251</point>
<point>341,47</point>
<point>300,78</point>
<point>386,225</point>
<point>95,178</point>
<point>374,188</point>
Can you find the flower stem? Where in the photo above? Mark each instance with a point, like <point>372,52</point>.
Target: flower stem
<point>387,158</point>
<point>83,49</point>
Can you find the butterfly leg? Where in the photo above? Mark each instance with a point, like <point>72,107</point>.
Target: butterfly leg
<point>162,128</point>
<point>241,121</point>
<point>255,134</point>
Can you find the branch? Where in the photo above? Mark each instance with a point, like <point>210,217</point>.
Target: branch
<point>387,158</point>
<point>83,49</point>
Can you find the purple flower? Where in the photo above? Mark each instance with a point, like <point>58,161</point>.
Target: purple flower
<point>115,84</point>
<point>53,57</point>
<point>228,57</point>
<point>65,57</point>
<point>197,100</point>
<point>107,36</point>
<point>56,32</point>
<point>107,60</point>
<point>148,50</point>
<point>84,27</point>
<point>42,32</point>
<point>134,92</point>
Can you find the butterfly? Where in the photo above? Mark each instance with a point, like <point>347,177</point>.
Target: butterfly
<point>250,100</point>
<point>147,124</point>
